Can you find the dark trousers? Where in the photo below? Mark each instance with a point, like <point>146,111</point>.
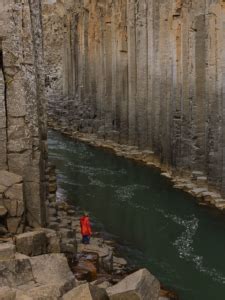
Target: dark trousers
<point>86,239</point>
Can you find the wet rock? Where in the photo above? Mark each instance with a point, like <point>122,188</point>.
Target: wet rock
<point>139,285</point>
<point>31,243</point>
<point>119,261</point>
<point>85,270</point>
<point>197,192</point>
<point>87,292</point>
<point>52,269</point>
<point>107,262</point>
<point>7,251</point>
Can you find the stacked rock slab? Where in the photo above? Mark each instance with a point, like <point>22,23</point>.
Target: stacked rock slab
<point>22,111</point>
<point>144,73</point>
<point>12,217</point>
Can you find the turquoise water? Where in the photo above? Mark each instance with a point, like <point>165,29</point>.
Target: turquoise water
<point>167,232</point>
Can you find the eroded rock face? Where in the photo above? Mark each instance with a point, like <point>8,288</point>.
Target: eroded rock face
<point>145,73</point>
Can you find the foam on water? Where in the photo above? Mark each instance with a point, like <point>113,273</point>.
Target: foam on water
<point>184,245</point>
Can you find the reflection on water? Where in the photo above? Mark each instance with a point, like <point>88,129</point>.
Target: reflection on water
<point>162,229</point>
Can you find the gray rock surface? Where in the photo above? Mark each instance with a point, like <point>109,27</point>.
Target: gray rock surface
<point>7,251</point>
<point>141,285</point>
<point>52,269</point>
<point>31,243</point>
<point>86,292</point>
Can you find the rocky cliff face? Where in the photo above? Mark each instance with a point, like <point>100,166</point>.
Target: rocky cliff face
<point>149,73</point>
<point>22,113</point>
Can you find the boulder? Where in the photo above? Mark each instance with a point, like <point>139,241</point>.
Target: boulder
<point>86,292</point>
<point>15,272</point>
<point>7,251</point>
<point>45,292</point>
<point>53,269</point>
<point>85,270</point>
<point>8,179</point>
<point>31,243</point>
<point>53,241</point>
<point>7,293</point>
<point>141,285</point>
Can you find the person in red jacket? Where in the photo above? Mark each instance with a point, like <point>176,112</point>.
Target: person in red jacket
<point>85,228</point>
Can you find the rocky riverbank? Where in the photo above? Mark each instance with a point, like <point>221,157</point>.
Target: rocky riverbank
<point>52,263</point>
<point>194,183</point>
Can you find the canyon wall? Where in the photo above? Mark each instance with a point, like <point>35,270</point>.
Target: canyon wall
<point>149,73</point>
<point>23,147</point>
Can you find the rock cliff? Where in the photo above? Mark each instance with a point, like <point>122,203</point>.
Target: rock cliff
<point>148,73</point>
<point>22,115</point>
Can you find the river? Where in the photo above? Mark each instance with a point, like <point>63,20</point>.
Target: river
<point>161,228</point>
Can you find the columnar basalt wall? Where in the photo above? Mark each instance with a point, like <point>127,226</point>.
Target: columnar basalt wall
<point>23,148</point>
<point>149,73</point>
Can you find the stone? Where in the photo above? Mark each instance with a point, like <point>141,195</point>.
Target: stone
<point>53,241</point>
<point>3,230</point>
<point>13,224</point>
<point>11,206</point>
<point>45,292</point>
<point>15,192</point>
<point>15,272</point>
<point>7,251</point>
<point>2,189</point>
<point>31,243</point>
<point>7,293</point>
<point>52,269</point>
<point>3,211</point>
<point>8,179</point>
<point>68,246</point>
<point>119,261</point>
<point>85,270</point>
<point>86,292</point>
<point>139,285</point>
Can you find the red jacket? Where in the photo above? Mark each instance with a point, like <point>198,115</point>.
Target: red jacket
<point>85,225</point>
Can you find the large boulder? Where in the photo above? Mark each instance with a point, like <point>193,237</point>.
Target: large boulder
<point>86,292</point>
<point>45,292</point>
<point>141,285</point>
<point>7,293</point>
<point>31,243</point>
<point>15,272</point>
<point>53,269</point>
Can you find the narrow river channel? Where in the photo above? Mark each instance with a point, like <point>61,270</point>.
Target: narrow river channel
<point>165,230</point>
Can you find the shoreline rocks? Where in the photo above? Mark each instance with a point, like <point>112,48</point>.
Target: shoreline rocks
<point>194,183</point>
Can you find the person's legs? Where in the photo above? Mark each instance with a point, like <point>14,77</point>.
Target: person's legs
<point>86,239</point>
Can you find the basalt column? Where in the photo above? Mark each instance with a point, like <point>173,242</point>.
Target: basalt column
<point>148,73</point>
<point>23,151</point>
